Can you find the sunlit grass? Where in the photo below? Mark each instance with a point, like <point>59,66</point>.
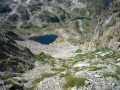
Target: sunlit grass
<point>113,75</point>
<point>118,70</point>
<point>72,81</point>
<point>46,75</point>
<point>59,69</point>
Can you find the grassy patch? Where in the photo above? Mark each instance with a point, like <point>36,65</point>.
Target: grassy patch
<point>110,75</point>
<point>19,70</point>
<point>118,70</point>
<point>91,55</point>
<point>93,68</point>
<point>65,65</point>
<point>8,26</point>
<point>76,69</point>
<point>46,75</point>
<point>54,26</point>
<point>104,50</point>
<point>65,75</point>
<point>6,76</point>
<point>43,59</point>
<point>118,15</point>
<point>14,83</point>
<point>30,88</point>
<point>39,58</point>
<point>72,41</point>
<point>82,18</point>
<point>104,62</point>
<point>59,69</point>
<point>79,51</point>
<point>112,54</point>
<point>38,80</point>
<point>52,63</point>
<point>24,81</point>
<point>81,57</point>
<point>74,81</point>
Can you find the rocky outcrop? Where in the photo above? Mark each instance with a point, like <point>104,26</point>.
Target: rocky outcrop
<point>4,8</point>
<point>108,28</point>
<point>107,31</point>
<point>14,58</point>
<point>89,46</point>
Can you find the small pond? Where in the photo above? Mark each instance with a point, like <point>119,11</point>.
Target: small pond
<point>46,39</point>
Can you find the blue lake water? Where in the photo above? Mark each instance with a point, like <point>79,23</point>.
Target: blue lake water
<point>46,39</point>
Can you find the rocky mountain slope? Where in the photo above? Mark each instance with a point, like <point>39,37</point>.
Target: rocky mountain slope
<point>14,59</point>
<point>85,56</point>
<point>107,32</point>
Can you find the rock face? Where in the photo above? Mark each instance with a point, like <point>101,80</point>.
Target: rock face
<point>14,58</point>
<point>107,31</point>
<point>44,12</point>
<point>108,27</point>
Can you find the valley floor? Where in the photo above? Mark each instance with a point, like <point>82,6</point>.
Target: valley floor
<point>56,50</point>
<point>69,69</point>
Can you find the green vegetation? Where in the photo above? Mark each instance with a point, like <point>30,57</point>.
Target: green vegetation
<point>104,62</point>
<point>112,54</point>
<point>91,55</point>
<point>40,58</point>
<point>82,18</point>
<point>79,51</point>
<point>59,69</point>
<point>46,75</point>
<point>38,80</point>
<point>109,37</point>
<point>110,75</point>
<point>65,66</point>
<point>14,83</point>
<point>28,26</point>
<point>81,57</point>
<point>52,63</point>
<point>8,26</point>
<point>72,41</point>
<point>74,81</point>
<point>43,58</point>
<point>76,69</point>
<point>93,68</point>
<point>19,70</point>
<point>54,26</point>
<point>6,76</point>
<point>65,75</point>
<point>102,50</point>
<point>118,70</point>
<point>47,16</point>
<point>118,15</point>
<point>24,81</point>
<point>30,88</point>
